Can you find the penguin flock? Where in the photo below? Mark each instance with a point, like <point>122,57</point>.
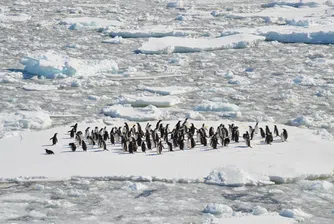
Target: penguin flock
<point>183,136</point>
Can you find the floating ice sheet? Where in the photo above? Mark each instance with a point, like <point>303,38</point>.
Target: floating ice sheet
<point>169,45</point>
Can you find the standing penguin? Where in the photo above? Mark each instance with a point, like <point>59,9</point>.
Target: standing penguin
<point>73,146</point>
<point>75,127</point>
<point>263,135</point>
<point>256,128</point>
<point>269,138</point>
<point>276,131</point>
<point>143,146</point>
<point>54,139</point>
<point>104,145</point>
<point>170,146</point>
<point>87,132</point>
<point>71,133</point>
<point>84,146</point>
<point>284,135</point>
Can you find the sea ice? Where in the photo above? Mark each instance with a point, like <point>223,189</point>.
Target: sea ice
<point>127,112</point>
<point>169,45</point>
<point>77,23</point>
<point>219,209</point>
<point>51,64</point>
<point>216,106</point>
<point>169,90</point>
<point>158,101</point>
<point>296,214</point>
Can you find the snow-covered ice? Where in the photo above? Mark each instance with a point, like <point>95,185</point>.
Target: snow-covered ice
<point>158,101</point>
<point>168,45</point>
<point>51,64</point>
<point>77,23</point>
<point>169,90</point>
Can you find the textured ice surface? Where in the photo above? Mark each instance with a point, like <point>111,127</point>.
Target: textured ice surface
<point>158,101</point>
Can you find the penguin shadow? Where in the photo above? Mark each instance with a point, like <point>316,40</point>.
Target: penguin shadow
<point>122,153</point>
<point>153,154</point>
<point>45,154</point>
<point>47,145</point>
<point>72,151</point>
<point>208,149</point>
<point>67,138</point>
<point>145,193</point>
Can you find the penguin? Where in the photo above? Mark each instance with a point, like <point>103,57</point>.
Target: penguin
<point>49,152</point>
<point>284,135</point>
<point>248,143</point>
<point>269,138</point>
<point>72,133</point>
<point>78,139</point>
<point>54,139</point>
<point>143,146</point>
<point>73,146</point>
<point>112,139</point>
<point>131,146</point>
<point>87,132</point>
<point>75,127</point>
<point>267,130</point>
<point>192,143</point>
<point>276,131</point>
<point>104,145</point>
<point>181,144</point>
<point>246,136</point>
<point>91,140</point>
<point>252,134</point>
<point>177,126</point>
<point>84,146</point>
<point>139,140</point>
<point>250,130</point>
<point>226,141</point>
<point>263,135</point>
<point>211,132</point>
<point>256,128</point>
<point>105,135</point>
<point>236,134</point>
<point>170,146</point>
<point>214,141</point>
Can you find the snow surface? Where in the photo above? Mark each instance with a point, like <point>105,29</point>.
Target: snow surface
<point>169,45</point>
<point>232,165</point>
<point>256,219</point>
<point>51,64</point>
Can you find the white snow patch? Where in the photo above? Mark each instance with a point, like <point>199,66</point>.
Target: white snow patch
<point>296,213</point>
<point>169,45</point>
<point>14,17</point>
<point>39,187</point>
<point>316,185</point>
<point>51,64</point>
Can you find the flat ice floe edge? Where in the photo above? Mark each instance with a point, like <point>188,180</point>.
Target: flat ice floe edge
<point>168,45</point>
<point>231,166</point>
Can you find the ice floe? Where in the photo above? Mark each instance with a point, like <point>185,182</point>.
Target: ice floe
<point>296,213</point>
<point>233,176</point>
<point>26,120</point>
<point>169,45</point>
<point>77,23</point>
<point>14,17</point>
<point>51,64</point>
<point>220,209</point>
<point>148,113</point>
<point>38,87</point>
<point>169,90</point>
<point>149,31</point>
<point>158,101</point>
<point>216,106</point>
<point>234,165</point>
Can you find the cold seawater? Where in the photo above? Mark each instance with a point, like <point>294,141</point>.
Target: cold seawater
<point>81,200</point>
